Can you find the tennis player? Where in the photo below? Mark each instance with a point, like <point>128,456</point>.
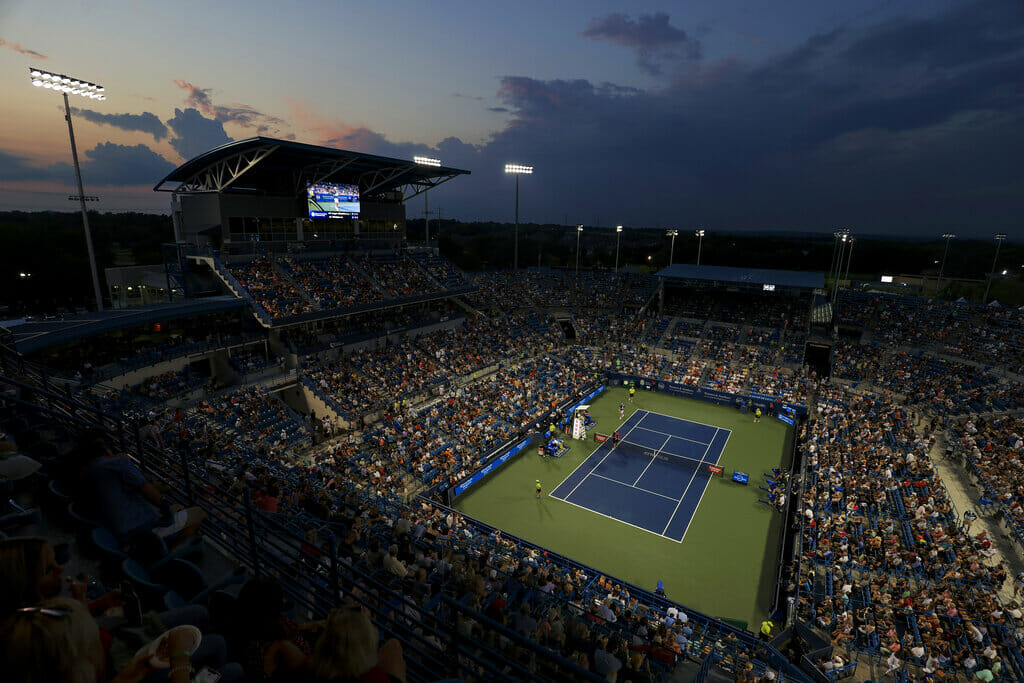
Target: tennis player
<point>538,489</point>
<point>622,410</point>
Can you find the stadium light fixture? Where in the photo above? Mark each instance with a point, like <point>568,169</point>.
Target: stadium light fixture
<point>946,236</point>
<point>517,170</point>
<point>618,236</point>
<point>65,85</point>
<point>673,234</point>
<point>427,161</point>
<point>579,231</point>
<point>434,163</point>
<point>1000,236</point>
<point>700,242</point>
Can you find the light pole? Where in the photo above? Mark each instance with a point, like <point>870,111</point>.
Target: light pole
<point>700,243</point>
<point>833,268</point>
<point>64,85</point>
<point>673,234</point>
<point>946,236</point>
<point>517,170</point>
<point>618,236</point>
<point>579,231</point>
<point>999,242</point>
<point>849,258</point>
<point>435,163</point>
<point>842,237</point>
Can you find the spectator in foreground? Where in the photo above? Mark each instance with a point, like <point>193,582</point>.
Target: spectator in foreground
<point>347,651</point>
<point>30,572</point>
<point>58,640</point>
<point>125,501</point>
<point>272,646</point>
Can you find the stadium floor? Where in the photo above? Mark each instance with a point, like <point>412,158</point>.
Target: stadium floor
<point>727,563</point>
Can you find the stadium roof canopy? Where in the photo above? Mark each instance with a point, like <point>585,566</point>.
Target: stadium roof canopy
<point>750,277</point>
<point>269,166</point>
<point>30,336</point>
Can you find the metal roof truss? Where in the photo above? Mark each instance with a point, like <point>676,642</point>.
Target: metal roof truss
<point>220,175</point>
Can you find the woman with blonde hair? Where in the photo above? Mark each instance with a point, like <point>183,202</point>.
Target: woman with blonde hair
<point>347,651</point>
<point>55,641</point>
<point>28,572</point>
<point>58,640</point>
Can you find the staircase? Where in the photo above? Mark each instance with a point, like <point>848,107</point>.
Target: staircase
<point>286,276</point>
<point>234,286</point>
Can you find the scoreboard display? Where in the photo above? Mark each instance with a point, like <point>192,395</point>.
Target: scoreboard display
<point>332,200</point>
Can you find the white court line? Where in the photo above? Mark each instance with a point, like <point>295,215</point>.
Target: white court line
<point>653,458</point>
<point>692,477</point>
<point>653,493</point>
<point>674,436</point>
<point>615,519</point>
<point>707,485</point>
<point>610,450</point>
<point>683,419</point>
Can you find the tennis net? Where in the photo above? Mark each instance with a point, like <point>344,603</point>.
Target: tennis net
<point>647,452</point>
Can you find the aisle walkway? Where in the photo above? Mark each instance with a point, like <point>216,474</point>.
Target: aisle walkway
<point>965,494</point>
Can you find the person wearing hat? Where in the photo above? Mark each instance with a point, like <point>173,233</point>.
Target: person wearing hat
<point>538,489</point>
<point>766,629</point>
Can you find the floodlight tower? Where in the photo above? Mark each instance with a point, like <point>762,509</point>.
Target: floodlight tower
<point>579,231</point>
<point>517,170</point>
<point>64,85</point>
<point>849,258</point>
<point>618,236</point>
<point>673,234</point>
<point>840,236</point>
<point>842,239</point>
<point>700,242</point>
<point>999,242</point>
<point>946,236</point>
<point>435,163</point>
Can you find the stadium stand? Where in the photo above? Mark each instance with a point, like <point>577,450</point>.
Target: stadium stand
<point>883,564</point>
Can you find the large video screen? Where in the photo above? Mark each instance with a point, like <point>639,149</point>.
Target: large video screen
<point>332,200</point>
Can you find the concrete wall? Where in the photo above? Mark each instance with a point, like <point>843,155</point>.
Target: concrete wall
<point>138,376</point>
<point>305,401</point>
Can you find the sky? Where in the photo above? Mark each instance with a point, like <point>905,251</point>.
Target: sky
<point>895,117</point>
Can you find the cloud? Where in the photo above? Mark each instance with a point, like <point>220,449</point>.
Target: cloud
<point>194,133</point>
<point>111,164</point>
<point>323,130</point>
<point>828,129</point>
<point>499,110</point>
<point>650,36</point>
<point>145,122</point>
<point>21,49</point>
<point>15,168</point>
<point>105,164</point>
<point>240,114</point>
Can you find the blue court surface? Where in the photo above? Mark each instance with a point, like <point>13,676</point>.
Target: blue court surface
<point>630,484</point>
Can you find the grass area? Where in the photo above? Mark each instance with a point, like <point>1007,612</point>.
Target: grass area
<point>725,567</point>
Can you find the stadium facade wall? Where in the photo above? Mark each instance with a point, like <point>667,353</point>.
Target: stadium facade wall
<point>138,376</point>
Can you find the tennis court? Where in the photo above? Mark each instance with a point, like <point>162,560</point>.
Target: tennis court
<point>653,479</point>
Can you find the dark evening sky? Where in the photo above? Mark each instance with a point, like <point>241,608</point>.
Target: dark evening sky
<point>881,116</point>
